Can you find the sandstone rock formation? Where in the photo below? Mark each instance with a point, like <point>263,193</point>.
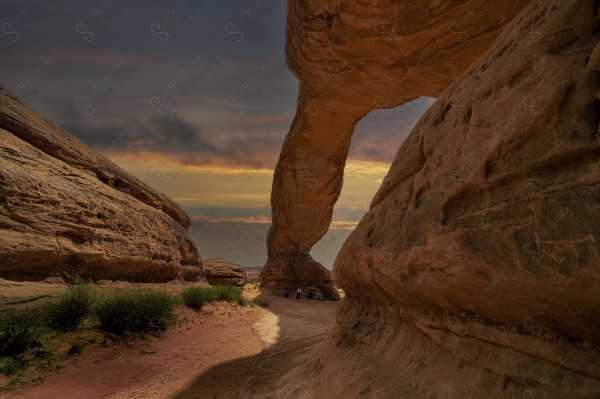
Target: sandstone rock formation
<point>352,57</point>
<point>66,208</point>
<point>218,271</point>
<point>253,273</point>
<point>287,272</point>
<point>475,272</point>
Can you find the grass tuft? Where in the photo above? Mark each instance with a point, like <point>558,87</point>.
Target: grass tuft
<point>228,293</point>
<point>68,310</point>
<point>75,349</point>
<point>196,297</point>
<point>20,330</point>
<point>43,352</point>
<point>13,365</point>
<point>140,310</point>
<point>12,384</point>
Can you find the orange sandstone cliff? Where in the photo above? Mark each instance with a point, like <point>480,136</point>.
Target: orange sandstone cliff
<point>476,271</point>
<point>66,208</point>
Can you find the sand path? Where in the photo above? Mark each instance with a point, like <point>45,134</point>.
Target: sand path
<point>224,351</point>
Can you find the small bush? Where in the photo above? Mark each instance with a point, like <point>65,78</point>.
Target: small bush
<point>75,349</point>
<point>13,365</point>
<point>196,297</point>
<point>12,384</point>
<point>140,310</point>
<point>228,293</point>
<point>43,353</point>
<point>73,279</point>
<point>66,311</point>
<point>19,330</point>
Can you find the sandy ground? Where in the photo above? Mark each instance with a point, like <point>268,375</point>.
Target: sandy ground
<point>224,351</point>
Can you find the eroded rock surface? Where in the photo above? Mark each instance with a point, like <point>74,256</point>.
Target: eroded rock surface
<point>66,208</point>
<point>352,57</point>
<point>287,272</point>
<point>218,271</point>
<point>476,272</point>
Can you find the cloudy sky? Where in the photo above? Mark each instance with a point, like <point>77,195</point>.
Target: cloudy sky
<point>191,96</point>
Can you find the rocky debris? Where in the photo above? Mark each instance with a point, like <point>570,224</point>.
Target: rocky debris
<point>66,208</point>
<point>475,272</point>
<point>218,271</point>
<point>312,292</point>
<point>253,273</point>
<point>285,273</point>
<point>352,57</point>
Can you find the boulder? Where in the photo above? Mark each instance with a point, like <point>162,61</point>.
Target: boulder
<point>66,208</point>
<point>286,272</point>
<point>253,274</point>
<point>218,271</point>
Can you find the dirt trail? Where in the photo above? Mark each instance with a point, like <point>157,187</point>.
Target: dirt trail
<point>225,351</point>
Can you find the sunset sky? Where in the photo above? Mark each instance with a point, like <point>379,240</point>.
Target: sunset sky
<point>192,97</point>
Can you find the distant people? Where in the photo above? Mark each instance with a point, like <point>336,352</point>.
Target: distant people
<point>287,294</point>
<point>309,296</point>
<point>321,297</point>
<point>298,292</point>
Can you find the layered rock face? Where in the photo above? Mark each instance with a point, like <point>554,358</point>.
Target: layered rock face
<point>66,208</point>
<point>475,272</point>
<point>352,57</point>
<point>218,271</point>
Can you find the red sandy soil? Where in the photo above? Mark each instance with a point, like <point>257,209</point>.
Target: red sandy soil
<point>224,351</point>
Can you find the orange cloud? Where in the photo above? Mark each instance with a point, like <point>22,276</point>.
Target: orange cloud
<point>335,225</point>
<point>348,225</point>
<point>251,219</point>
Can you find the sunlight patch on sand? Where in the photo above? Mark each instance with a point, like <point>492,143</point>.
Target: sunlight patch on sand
<point>268,328</point>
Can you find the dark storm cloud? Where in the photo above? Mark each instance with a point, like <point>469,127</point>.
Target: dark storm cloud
<point>205,82</point>
<point>195,81</point>
<point>182,140</point>
<point>167,77</point>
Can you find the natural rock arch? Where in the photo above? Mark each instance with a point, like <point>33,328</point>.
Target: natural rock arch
<point>475,273</point>
<point>353,57</point>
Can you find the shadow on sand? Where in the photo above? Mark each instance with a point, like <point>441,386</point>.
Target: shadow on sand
<point>291,328</point>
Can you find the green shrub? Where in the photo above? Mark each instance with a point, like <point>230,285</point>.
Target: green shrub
<point>66,311</point>
<point>75,349</point>
<point>73,279</point>
<point>228,293</point>
<point>20,329</point>
<point>12,384</point>
<point>13,365</point>
<point>140,310</point>
<point>43,352</point>
<point>195,297</point>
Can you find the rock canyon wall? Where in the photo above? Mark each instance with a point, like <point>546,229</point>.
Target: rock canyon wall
<point>476,271</point>
<point>353,57</point>
<point>66,208</point>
